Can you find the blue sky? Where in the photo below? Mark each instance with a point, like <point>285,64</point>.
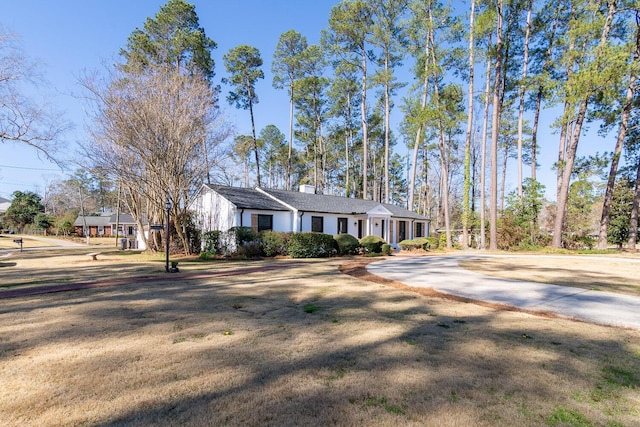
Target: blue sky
<point>69,37</point>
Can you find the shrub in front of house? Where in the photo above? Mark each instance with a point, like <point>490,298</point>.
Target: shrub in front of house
<point>243,234</point>
<point>311,245</point>
<point>250,249</point>
<point>347,244</point>
<point>386,249</point>
<point>372,244</point>
<point>415,244</point>
<point>211,242</point>
<point>433,243</point>
<point>275,243</point>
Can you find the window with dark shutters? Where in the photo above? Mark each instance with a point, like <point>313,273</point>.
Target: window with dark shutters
<point>317,224</point>
<point>265,222</point>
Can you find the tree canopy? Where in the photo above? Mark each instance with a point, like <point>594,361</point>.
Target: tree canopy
<point>24,208</point>
<point>172,38</point>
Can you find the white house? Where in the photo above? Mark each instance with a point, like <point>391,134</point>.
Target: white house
<point>4,204</point>
<point>220,208</point>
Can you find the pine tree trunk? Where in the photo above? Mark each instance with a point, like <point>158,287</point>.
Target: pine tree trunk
<point>522,93</point>
<point>622,133</point>
<point>255,140</point>
<point>290,153</point>
<point>416,146</point>
<point>563,193</point>
<point>444,194</point>
<point>365,142</point>
<point>467,146</point>
<point>483,158</point>
<point>633,223</point>
<point>386,129</point>
<point>495,127</point>
<point>536,118</point>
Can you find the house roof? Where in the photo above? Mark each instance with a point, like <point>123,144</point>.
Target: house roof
<point>3,200</point>
<point>92,221</point>
<point>247,198</point>
<point>122,219</point>
<point>336,204</point>
<point>103,220</point>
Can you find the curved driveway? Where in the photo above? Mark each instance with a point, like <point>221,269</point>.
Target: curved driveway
<point>444,274</point>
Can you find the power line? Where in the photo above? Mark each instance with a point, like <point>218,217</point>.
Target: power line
<point>31,169</point>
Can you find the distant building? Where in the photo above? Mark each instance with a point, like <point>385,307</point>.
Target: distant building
<point>4,205</point>
<point>104,225</point>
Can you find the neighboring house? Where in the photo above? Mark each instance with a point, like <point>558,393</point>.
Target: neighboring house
<point>104,225</point>
<point>4,205</point>
<point>220,208</point>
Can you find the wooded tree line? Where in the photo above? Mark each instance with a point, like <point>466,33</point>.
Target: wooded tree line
<point>574,60</point>
<point>483,78</point>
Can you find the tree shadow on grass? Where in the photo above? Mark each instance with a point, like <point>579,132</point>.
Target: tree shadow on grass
<point>370,355</point>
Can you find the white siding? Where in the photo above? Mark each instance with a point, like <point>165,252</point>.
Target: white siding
<point>330,223</point>
<point>281,220</point>
<point>214,212</point>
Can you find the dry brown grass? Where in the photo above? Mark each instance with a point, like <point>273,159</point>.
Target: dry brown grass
<point>306,345</point>
<point>595,273</point>
<point>6,242</point>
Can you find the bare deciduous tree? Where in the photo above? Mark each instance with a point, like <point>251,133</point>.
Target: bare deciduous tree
<point>25,118</point>
<point>159,133</point>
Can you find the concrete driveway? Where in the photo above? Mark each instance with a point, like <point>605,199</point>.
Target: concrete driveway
<point>444,274</point>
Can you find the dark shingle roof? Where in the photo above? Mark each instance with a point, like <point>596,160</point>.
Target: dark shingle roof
<point>247,198</point>
<point>336,204</point>
<point>123,218</point>
<point>104,219</point>
<point>92,221</point>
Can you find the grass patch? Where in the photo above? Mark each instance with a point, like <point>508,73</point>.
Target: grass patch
<point>272,363</point>
<point>310,308</point>
<point>620,377</point>
<point>563,417</point>
<point>384,403</point>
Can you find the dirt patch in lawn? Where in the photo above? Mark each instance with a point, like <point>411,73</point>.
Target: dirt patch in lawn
<point>305,345</point>
<point>594,273</point>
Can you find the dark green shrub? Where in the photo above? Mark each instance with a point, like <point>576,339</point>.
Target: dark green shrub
<point>275,243</point>
<point>442,242</point>
<point>415,244</point>
<point>432,242</point>
<point>372,244</point>
<point>311,245</point>
<point>251,249</point>
<point>347,244</point>
<point>211,242</point>
<point>386,249</point>
<point>243,234</point>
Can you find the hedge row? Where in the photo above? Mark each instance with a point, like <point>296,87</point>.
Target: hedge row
<point>426,243</point>
<point>244,241</point>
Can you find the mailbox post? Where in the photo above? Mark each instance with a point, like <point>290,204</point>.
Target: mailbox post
<point>18,241</point>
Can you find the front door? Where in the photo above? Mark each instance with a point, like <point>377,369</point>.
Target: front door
<point>360,229</point>
<point>402,231</point>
